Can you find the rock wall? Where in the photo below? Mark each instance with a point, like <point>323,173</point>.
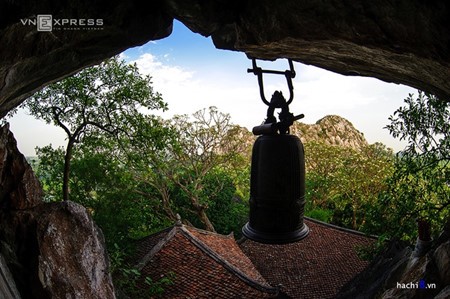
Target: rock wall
<point>331,130</point>
<point>8,289</point>
<point>30,59</point>
<point>52,250</point>
<point>400,272</point>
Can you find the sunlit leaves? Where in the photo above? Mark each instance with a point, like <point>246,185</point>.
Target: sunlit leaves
<point>105,97</point>
<point>102,99</point>
<point>193,148</point>
<point>425,123</point>
<point>420,185</point>
<point>345,180</point>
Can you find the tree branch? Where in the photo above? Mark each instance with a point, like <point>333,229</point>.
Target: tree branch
<point>56,115</point>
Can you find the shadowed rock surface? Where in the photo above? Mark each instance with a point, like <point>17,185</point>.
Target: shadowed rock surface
<point>399,265</point>
<point>52,250</point>
<point>396,41</point>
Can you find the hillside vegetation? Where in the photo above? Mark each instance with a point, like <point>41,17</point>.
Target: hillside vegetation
<point>344,174</point>
<point>135,171</point>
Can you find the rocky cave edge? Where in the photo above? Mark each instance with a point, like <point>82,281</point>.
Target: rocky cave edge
<point>47,250</point>
<point>396,41</point>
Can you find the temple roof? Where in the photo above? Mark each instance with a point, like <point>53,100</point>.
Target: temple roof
<point>316,266</point>
<point>210,265</point>
<point>203,264</point>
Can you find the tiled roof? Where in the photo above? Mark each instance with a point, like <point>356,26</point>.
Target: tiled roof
<point>229,250</point>
<point>205,265</point>
<point>315,267</point>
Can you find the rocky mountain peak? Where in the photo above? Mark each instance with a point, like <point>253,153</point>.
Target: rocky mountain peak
<point>332,130</point>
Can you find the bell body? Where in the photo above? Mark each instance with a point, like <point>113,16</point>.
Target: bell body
<point>277,190</point>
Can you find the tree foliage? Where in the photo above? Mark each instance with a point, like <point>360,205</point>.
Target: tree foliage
<point>106,187</point>
<point>342,182</point>
<point>198,165</point>
<point>425,123</point>
<point>136,183</point>
<point>98,100</point>
<point>373,190</point>
<point>419,188</point>
<point>194,149</point>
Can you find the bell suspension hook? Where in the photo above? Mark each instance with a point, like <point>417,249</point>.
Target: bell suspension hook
<point>289,74</point>
<point>271,126</point>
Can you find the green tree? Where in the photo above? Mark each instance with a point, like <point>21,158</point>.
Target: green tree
<point>359,180</point>
<point>342,182</point>
<point>107,188</point>
<point>204,143</point>
<point>322,161</point>
<point>147,154</point>
<point>227,211</point>
<point>420,185</point>
<point>194,147</point>
<point>98,100</point>
<point>50,171</point>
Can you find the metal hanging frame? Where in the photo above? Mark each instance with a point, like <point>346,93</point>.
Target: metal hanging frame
<point>289,74</point>
<point>271,126</point>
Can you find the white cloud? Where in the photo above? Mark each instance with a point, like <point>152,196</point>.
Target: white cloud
<point>30,133</point>
<point>187,91</point>
<point>162,75</point>
<point>366,102</point>
<point>123,56</point>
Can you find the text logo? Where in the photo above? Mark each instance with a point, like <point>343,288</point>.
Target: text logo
<point>44,22</point>
<point>416,285</point>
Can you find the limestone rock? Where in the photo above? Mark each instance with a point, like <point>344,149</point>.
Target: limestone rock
<point>353,38</point>
<point>72,259</point>
<point>19,187</point>
<point>8,289</point>
<point>30,59</point>
<point>418,269</point>
<point>442,258</point>
<point>444,294</point>
<point>332,130</point>
<point>52,250</point>
<point>405,275</point>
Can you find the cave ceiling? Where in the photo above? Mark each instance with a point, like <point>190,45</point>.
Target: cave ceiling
<point>405,42</point>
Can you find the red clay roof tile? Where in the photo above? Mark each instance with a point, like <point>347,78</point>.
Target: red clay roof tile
<point>315,267</point>
<point>209,265</point>
<point>201,271</point>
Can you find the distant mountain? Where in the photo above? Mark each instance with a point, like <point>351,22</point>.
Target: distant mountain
<point>332,130</point>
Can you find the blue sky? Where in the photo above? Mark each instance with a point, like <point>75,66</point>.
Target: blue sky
<point>192,74</point>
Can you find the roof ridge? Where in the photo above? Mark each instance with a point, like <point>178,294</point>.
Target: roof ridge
<point>229,236</point>
<point>157,247</point>
<point>155,233</point>
<point>347,230</point>
<point>230,267</point>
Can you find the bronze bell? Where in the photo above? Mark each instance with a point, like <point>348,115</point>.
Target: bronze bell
<point>277,183</point>
<point>277,190</point>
